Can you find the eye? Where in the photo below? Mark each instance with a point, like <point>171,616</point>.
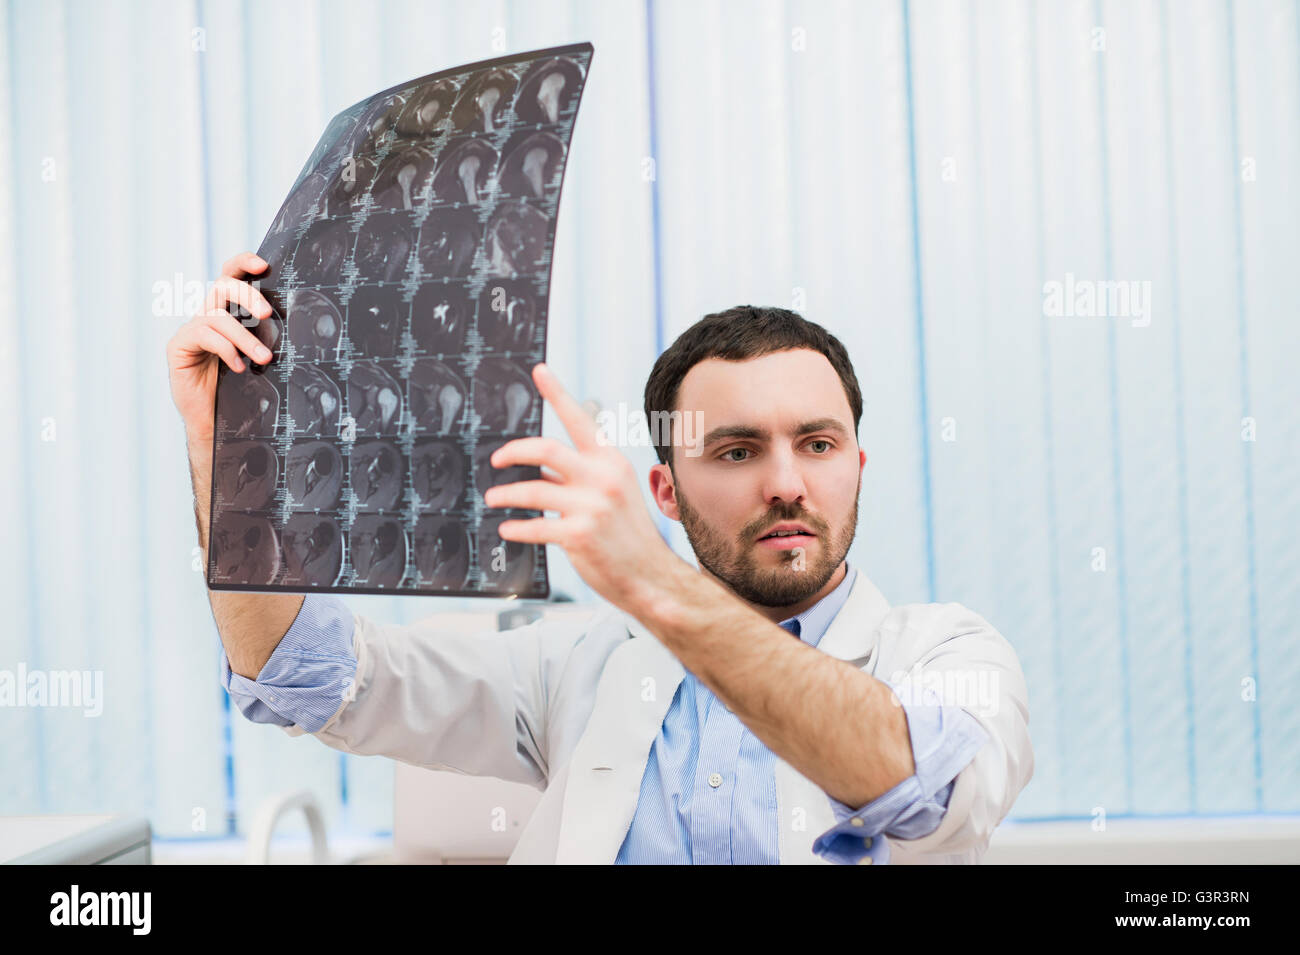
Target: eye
<point>820,441</point>
<point>730,451</point>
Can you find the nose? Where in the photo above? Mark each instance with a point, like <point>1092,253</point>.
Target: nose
<point>783,480</point>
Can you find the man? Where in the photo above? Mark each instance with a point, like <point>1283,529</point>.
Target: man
<point>768,707</point>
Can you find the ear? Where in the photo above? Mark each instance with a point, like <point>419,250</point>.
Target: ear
<point>664,491</point>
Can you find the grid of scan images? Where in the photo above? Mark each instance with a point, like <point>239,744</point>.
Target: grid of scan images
<point>410,273</point>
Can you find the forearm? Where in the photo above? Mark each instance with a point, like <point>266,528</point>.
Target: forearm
<point>251,625</point>
<point>840,727</point>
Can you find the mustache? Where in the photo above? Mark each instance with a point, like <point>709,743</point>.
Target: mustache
<point>817,524</point>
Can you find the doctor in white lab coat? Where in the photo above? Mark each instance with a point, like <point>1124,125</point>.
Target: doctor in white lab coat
<point>575,710</point>
<point>754,415</point>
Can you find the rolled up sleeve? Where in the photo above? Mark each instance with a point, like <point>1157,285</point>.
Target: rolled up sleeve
<point>306,679</point>
<point>944,740</point>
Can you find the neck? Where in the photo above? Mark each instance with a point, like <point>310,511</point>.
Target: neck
<point>777,614</point>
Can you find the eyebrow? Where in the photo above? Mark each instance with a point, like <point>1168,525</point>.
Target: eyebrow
<point>763,434</point>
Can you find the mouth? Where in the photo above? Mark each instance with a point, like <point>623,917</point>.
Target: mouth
<point>786,536</point>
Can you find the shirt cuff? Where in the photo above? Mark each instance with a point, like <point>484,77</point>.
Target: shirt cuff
<point>308,674</point>
<point>944,740</point>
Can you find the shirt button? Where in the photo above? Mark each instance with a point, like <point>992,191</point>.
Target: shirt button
<point>866,843</point>
<point>865,860</point>
<point>855,821</point>
<point>715,780</point>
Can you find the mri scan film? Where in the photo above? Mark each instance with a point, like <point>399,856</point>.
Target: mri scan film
<point>410,280</point>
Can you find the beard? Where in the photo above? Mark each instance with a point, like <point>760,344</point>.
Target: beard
<point>735,562</point>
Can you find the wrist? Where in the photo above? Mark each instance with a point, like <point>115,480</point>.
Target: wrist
<point>199,435</point>
<point>658,595</point>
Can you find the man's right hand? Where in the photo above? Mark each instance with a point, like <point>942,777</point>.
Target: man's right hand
<point>213,335</point>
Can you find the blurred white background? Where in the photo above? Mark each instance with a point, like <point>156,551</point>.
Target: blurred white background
<point>1119,496</point>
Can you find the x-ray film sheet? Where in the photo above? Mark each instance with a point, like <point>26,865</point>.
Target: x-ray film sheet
<point>410,274</point>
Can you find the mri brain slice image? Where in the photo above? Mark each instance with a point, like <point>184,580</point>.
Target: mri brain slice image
<point>441,552</point>
<point>484,102</point>
<point>426,108</point>
<point>246,474</point>
<point>378,122</point>
<point>376,320</point>
<point>270,332</point>
<point>464,171</point>
<point>377,468</point>
<point>403,179</point>
<point>437,397</point>
<point>438,474</point>
<point>549,89</point>
<point>505,397</point>
<point>384,245</point>
<point>448,239</point>
<point>349,185</point>
<point>321,252</point>
<point>374,399</point>
<point>248,406</point>
<point>409,278</point>
<point>507,566</point>
<point>507,316</point>
<point>245,549</point>
<point>440,317</point>
<point>277,248</point>
<point>377,548</point>
<point>315,324</point>
<point>313,550</point>
<point>315,401</point>
<point>516,239</point>
<point>532,162</point>
<point>314,475</point>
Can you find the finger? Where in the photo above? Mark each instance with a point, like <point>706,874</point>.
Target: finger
<point>538,530</point>
<point>535,496</point>
<point>218,344</point>
<point>576,421</point>
<point>227,289</point>
<point>230,327</point>
<point>231,290</point>
<point>245,263</point>
<point>558,457</point>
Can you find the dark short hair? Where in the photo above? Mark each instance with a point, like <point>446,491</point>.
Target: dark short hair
<point>738,334</point>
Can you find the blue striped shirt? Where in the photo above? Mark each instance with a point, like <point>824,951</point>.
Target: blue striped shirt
<point>708,794</point>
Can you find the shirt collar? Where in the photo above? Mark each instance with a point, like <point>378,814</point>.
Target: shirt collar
<point>814,622</point>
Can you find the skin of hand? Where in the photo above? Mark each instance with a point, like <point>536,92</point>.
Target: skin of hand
<point>605,530</point>
<point>251,624</point>
<point>839,726</point>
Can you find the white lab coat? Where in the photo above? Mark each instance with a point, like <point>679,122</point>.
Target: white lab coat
<point>574,708</point>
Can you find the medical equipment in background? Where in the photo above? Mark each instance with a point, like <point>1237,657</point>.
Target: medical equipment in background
<point>75,840</point>
<point>269,813</point>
